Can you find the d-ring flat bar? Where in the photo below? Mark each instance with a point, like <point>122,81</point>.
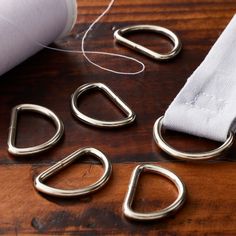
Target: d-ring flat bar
<point>127,205</point>
<point>157,129</point>
<point>40,186</point>
<point>119,37</point>
<point>39,148</point>
<point>110,94</point>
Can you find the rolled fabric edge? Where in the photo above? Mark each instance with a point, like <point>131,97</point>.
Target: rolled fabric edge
<point>71,17</point>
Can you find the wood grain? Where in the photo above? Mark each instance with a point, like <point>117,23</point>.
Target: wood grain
<point>211,199</point>
<point>49,78</point>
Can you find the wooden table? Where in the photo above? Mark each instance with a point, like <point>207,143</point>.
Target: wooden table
<point>49,78</point>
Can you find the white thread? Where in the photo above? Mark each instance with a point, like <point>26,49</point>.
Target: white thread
<point>112,54</point>
<point>201,108</point>
<point>193,102</point>
<point>203,94</point>
<point>219,100</point>
<point>83,51</point>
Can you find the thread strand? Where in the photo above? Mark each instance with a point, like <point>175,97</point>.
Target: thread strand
<point>83,51</point>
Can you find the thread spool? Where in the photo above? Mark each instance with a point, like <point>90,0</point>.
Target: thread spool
<point>40,21</point>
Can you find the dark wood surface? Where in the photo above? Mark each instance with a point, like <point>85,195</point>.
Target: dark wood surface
<point>49,78</point>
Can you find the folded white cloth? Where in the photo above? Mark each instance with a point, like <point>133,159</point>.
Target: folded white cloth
<point>206,105</point>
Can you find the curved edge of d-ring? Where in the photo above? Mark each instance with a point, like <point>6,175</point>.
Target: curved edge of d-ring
<point>119,37</point>
<point>41,187</point>
<point>130,115</point>
<point>187,156</point>
<point>38,148</point>
<point>171,209</point>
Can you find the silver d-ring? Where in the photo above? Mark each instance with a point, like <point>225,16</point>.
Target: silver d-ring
<point>177,204</point>
<point>39,148</point>
<point>130,115</point>
<point>119,37</point>
<point>41,187</point>
<point>157,129</point>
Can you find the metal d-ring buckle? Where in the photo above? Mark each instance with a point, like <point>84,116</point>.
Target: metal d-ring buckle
<point>110,94</point>
<point>41,187</point>
<point>127,210</point>
<point>157,129</point>
<point>119,37</point>
<point>39,148</point>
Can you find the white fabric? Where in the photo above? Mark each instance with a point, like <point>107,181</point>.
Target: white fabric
<point>206,105</point>
<point>27,26</point>
<point>24,22</point>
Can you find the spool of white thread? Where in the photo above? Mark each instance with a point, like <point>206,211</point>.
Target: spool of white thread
<point>25,22</point>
